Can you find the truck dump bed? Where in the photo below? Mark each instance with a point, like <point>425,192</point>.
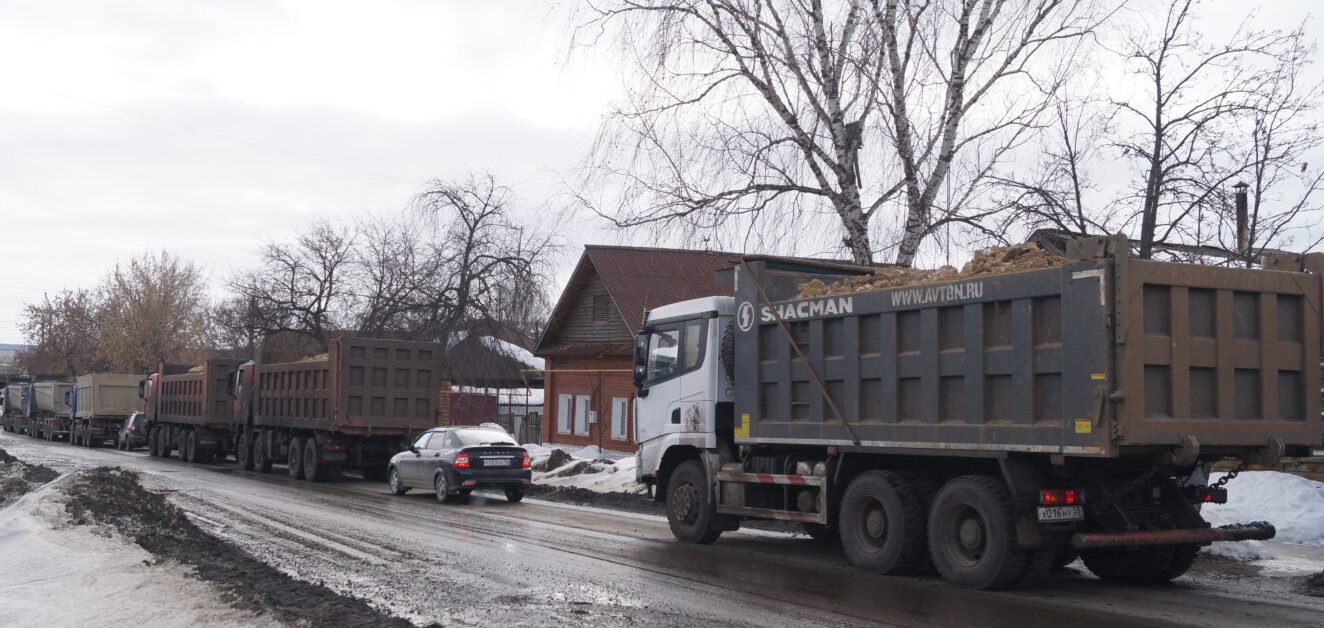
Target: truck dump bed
<point>364,386</point>
<point>107,395</point>
<point>1091,358</point>
<point>198,396</point>
<point>48,399</point>
<point>14,396</point>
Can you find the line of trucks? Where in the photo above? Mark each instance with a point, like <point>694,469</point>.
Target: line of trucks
<point>350,408</point>
<point>987,428</point>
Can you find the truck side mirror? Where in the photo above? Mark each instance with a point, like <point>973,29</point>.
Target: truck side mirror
<point>142,389</point>
<point>640,373</point>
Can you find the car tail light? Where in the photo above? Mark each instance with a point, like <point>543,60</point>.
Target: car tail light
<point>461,461</point>
<point>528,462</point>
<point>1061,497</point>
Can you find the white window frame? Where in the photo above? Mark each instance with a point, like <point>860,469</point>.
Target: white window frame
<point>564,404</point>
<point>620,416</point>
<point>582,408</point>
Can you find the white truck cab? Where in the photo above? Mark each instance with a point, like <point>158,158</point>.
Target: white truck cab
<point>685,393</point>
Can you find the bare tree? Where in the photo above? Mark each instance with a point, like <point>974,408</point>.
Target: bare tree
<point>301,286</point>
<point>858,108</point>
<point>1194,93</point>
<point>487,264</point>
<point>62,333</point>
<point>154,311</point>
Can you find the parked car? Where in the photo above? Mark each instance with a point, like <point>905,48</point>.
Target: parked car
<point>453,461</point>
<point>134,433</point>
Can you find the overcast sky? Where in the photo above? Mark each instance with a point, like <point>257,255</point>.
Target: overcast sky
<point>206,128</point>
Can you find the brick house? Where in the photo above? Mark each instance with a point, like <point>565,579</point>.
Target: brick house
<point>589,339</point>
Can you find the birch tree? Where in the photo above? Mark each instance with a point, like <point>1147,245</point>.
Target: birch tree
<point>777,113</point>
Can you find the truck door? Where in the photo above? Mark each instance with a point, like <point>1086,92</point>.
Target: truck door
<point>674,377</point>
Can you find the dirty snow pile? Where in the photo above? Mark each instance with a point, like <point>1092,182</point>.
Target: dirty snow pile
<point>1293,504</point>
<point>74,575</point>
<point>588,468</point>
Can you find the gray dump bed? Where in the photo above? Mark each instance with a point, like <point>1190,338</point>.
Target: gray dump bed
<point>107,395</point>
<point>49,399</point>
<point>1091,358</point>
<point>15,394</point>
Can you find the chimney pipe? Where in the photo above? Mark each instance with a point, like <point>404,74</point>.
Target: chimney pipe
<point>1243,229</point>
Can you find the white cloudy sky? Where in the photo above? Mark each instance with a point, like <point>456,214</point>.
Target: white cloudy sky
<point>207,127</point>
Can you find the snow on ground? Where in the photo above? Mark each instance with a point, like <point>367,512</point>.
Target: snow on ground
<point>1293,504</point>
<point>58,574</point>
<point>589,468</point>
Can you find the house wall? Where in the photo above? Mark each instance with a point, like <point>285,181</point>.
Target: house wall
<point>601,380</point>
<point>594,317</point>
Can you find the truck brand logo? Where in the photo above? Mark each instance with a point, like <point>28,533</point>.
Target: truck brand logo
<point>938,294</point>
<point>745,316</point>
<point>831,306</point>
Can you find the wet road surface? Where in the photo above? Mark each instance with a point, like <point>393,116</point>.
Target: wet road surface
<point>491,562</point>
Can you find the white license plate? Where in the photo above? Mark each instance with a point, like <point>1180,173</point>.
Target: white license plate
<point>1061,513</point>
<point>500,462</point>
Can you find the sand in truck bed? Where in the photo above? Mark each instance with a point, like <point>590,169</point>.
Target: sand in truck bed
<point>992,261</point>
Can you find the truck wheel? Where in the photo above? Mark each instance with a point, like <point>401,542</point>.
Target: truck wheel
<point>294,459</point>
<point>166,446</point>
<point>972,534</point>
<point>882,524</point>
<point>261,455</point>
<point>189,452</point>
<point>1140,565</point>
<point>243,455</point>
<point>373,474</point>
<point>153,448</point>
<point>393,481</point>
<point>690,509</point>
<point>821,533</point>
<point>314,468</point>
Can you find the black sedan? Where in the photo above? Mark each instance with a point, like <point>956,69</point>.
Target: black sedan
<point>453,461</point>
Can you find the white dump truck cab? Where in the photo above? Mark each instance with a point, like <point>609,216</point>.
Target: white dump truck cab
<point>685,391</point>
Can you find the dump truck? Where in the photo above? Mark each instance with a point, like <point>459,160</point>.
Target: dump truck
<point>350,408</point>
<point>189,410</point>
<point>12,412</point>
<point>991,426</point>
<point>101,402</point>
<point>50,414</point>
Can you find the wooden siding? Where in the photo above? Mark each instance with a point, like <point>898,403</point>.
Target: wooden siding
<point>580,326</point>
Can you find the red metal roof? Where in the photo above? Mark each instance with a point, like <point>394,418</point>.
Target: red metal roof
<point>638,279</point>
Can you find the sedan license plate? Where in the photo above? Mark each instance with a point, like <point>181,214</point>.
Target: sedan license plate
<point>1061,513</point>
<point>496,462</point>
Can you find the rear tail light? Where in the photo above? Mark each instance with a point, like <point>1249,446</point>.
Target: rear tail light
<point>1213,495</point>
<point>461,461</point>
<point>333,447</point>
<point>528,462</point>
<point>1061,497</point>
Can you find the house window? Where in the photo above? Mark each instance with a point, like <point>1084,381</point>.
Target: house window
<point>563,414</point>
<point>581,415</point>
<point>620,413</point>
<point>601,308</point>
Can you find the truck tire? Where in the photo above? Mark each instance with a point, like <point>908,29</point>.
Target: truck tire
<point>728,352</point>
<point>972,534</point>
<point>243,453</point>
<point>373,473</point>
<point>190,450</point>
<point>883,524</point>
<point>294,458</point>
<point>153,446</point>
<point>1140,565</point>
<point>261,452</point>
<point>166,445</point>
<point>691,512</point>
<point>314,468</point>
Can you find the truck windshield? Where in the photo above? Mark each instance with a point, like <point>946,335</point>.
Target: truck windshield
<point>676,348</point>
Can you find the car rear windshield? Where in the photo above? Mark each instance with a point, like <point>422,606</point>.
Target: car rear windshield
<point>476,438</point>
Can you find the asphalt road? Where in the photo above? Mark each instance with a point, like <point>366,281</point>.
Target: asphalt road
<point>540,564</point>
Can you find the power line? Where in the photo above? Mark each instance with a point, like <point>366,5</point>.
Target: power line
<point>222,136</point>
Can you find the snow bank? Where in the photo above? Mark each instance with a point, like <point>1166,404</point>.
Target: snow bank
<point>1293,504</point>
<point>587,469</point>
<point>71,576</point>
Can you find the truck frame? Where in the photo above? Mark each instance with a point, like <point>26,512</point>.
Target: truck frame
<point>991,427</point>
<point>352,409</point>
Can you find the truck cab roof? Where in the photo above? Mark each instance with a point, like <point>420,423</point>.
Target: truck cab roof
<point>723,305</point>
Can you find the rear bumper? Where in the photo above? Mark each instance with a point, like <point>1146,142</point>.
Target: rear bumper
<point>1257,531</point>
<point>494,478</point>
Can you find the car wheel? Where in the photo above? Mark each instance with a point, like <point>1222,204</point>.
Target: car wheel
<point>514,494</point>
<point>393,481</point>
<point>443,488</point>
